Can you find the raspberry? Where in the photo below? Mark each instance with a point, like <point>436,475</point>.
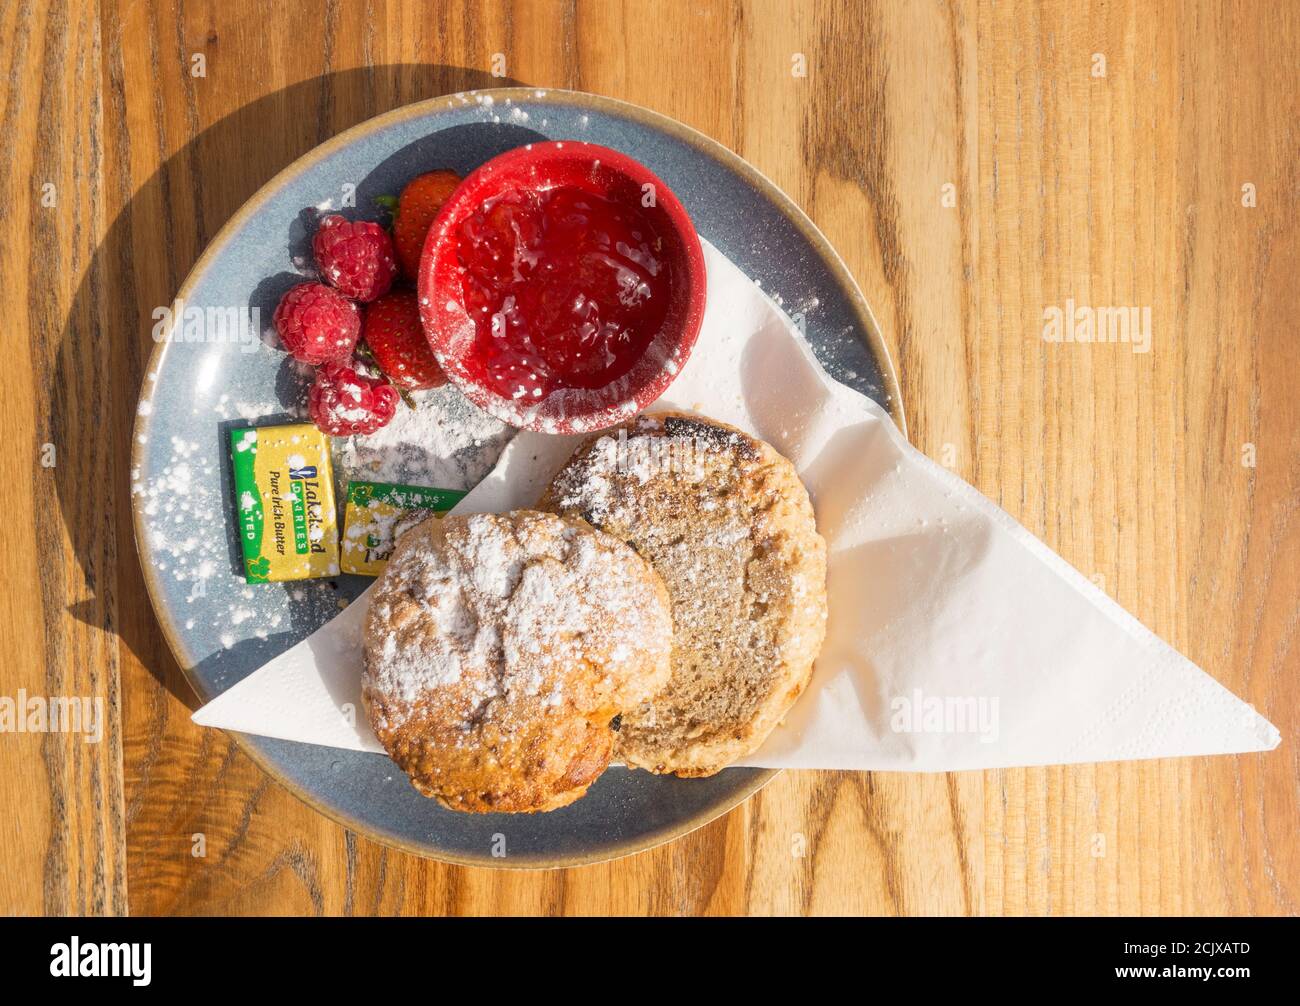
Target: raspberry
<point>317,324</point>
<point>356,256</point>
<point>343,403</point>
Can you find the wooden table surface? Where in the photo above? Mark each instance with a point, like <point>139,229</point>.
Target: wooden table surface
<point>974,164</point>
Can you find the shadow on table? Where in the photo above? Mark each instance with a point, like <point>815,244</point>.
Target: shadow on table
<point>141,264</point>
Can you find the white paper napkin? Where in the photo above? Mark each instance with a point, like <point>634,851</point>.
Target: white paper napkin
<point>956,639</point>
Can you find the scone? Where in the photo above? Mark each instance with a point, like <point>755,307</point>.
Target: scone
<point>498,648</point>
<point>726,522</point>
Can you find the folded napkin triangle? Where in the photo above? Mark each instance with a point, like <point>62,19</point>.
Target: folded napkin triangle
<point>955,640</point>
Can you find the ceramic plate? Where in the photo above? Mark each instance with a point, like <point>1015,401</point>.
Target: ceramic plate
<point>219,370</point>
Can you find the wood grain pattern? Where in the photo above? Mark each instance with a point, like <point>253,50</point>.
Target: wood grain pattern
<point>1115,189</point>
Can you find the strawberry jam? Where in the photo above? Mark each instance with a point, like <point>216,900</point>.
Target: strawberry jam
<point>566,289</point>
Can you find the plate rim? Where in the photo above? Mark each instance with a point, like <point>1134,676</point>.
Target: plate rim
<point>704,145</point>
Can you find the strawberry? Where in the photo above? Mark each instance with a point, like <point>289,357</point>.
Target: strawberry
<point>356,256</point>
<point>418,204</point>
<point>391,328</point>
<point>317,324</point>
<point>343,402</point>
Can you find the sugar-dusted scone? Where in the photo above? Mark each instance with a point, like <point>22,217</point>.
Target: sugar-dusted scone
<point>498,649</point>
<point>726,522</point>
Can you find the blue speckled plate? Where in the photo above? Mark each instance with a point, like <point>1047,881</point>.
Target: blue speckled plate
<point>215,372</point>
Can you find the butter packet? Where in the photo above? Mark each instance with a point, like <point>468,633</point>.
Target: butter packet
<point>375,514</point>
<point>284,502</point>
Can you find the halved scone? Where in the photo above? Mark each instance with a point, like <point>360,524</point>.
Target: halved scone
<point>725,520</point>
<point>499,648</point>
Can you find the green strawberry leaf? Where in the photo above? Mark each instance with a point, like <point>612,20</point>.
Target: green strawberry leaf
<point>364,352</point>
<point>388,203</point>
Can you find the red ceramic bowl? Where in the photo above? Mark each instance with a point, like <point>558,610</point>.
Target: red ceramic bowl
<point>604,172</point>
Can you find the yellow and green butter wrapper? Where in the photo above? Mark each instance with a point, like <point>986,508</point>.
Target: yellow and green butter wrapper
<point>377,512</point>
<point>284,503</point>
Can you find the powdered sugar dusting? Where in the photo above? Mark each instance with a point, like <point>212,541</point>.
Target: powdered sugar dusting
<point>444,443</point>
<point>505,618</point>
<point>180,505</point>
